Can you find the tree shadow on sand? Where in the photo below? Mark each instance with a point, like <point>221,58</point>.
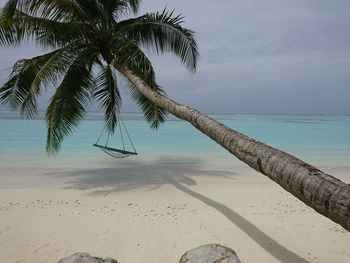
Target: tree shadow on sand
<point>132,175</point>
<point>262,239</point>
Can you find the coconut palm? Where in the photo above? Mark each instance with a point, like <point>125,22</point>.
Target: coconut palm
<point>94,44</point>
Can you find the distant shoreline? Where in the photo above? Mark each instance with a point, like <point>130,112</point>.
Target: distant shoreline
<point>42,113</point>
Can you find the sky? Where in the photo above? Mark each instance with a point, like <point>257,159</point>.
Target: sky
<point>265,57</point>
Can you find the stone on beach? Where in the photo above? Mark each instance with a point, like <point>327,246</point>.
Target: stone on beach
<point>210,253</point>
<point>85,258</point>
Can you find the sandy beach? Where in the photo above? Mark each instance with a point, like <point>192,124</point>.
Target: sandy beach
<point>155,212</point>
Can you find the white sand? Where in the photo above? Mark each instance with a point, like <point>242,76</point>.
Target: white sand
<point>155,213</point>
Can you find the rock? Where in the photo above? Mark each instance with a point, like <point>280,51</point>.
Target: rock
<point>85,258</point>
<point>210,253</point>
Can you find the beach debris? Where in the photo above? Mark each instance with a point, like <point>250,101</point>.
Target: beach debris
<point>85,258</point>
<point>210,253</point>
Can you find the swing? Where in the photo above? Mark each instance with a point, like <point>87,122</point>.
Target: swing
<point>115,152</point>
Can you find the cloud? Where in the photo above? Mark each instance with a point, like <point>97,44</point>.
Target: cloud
<point>290,51</point>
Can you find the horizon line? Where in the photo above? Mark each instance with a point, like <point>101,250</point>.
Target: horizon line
<point>209,113</point>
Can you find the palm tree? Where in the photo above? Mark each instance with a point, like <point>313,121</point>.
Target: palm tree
<point>93,45</point>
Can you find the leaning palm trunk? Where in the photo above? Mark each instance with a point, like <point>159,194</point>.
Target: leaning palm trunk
<point>327,195</point>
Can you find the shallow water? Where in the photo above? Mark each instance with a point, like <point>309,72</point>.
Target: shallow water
<point>321,140</point>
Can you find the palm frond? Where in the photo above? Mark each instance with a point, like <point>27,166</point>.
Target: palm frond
<point>134,5</point>
<point>55,67</point>
<point>29,75</point>
<point>15,92</point>
<point>48,33</point>
<point>7,38</point>
<point>11,94</point>
<point>121,7</point>
<point>68,105</point>
<point>164,32</point>
<point>153,114</point>
<point>107,94</point>
<point>132,57</point>
<point>57,10</point>
<point>8,11</point>
<point>49,73</point>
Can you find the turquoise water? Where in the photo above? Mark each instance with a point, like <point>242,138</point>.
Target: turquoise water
<point>321,140</point>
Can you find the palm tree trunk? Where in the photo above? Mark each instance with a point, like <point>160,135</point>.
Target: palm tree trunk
<point>327,195</point>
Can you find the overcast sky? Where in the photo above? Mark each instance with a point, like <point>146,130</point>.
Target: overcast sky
<point>271,56</point>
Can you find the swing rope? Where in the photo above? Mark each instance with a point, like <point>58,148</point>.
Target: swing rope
<point>127,133</point>
<point>114,152</point>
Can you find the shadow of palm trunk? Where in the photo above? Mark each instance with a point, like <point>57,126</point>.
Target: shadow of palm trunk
<point>267,243</point>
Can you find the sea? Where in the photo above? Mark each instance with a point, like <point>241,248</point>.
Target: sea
<point>318,139</point>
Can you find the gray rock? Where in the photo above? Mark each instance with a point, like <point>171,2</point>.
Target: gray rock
<point>210,253</point>
<point>85,258</point>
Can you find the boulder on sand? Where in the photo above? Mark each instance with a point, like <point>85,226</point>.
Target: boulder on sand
<point>85,258</point>
<point>210,253</point>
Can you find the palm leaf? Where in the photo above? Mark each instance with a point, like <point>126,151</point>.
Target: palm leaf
<point>7,38</point>
<point>48,74</point>
<point>120,7</point>
<point>15,91</point>
<point>164,32</point>
<point>8,11</point>
<point>48,33</point>
<point>134,5</point>
<point>153,114</point>
<point>55,67</point>
<point>68,105</point>
<point>128,54</point>
<point>58,10</point>
<point>132,57</point>
<point>107,94</point>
